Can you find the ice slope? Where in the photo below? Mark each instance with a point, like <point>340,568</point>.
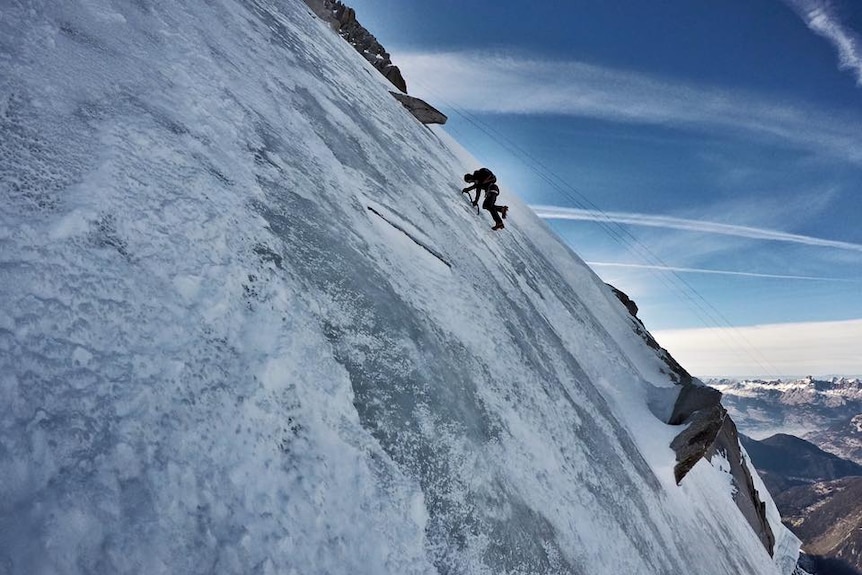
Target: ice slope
<point>215,358</point>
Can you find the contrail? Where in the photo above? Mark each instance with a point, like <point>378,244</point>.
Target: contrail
<point>557,213</point>
<point>718,272</point>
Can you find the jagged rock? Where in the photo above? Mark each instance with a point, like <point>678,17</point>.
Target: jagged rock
<point>393,74</point>
<point>343,20</point>
<point>709,432</point>
<point>423,111</point>
<point>627,301</point>
<point>695,440</point>
<point>346,16</point>
<point>691,399</point>
<point>746,497</point>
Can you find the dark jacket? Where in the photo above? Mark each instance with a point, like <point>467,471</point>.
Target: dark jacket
<point>484,176</point>
<point>482,179</point>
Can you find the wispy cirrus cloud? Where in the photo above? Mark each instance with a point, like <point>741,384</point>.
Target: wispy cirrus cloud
<point>670,222</point>
<point>506,84</point>
<point>822,19</point>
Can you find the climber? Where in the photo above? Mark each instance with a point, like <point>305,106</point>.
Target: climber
<point>484,179</point>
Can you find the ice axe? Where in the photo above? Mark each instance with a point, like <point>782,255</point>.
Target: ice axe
<point>471,201</point>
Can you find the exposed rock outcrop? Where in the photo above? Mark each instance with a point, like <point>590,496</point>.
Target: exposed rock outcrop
<point>343,20</point>
<point>709,432</point>
<point>746,497</point>
<point>702,429</point>
<point>422,110</point>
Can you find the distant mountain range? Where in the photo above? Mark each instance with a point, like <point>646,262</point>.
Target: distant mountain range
<point>819,496</point>
<point>826,412</point>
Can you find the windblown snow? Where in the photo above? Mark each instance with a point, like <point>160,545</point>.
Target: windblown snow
<point>215,358</point>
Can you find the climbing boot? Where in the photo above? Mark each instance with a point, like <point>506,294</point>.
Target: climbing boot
<point>499,226</point>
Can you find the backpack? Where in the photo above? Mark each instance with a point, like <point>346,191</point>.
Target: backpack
<point>484,176</point>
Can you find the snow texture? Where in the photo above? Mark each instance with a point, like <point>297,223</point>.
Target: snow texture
<point>214,358</point>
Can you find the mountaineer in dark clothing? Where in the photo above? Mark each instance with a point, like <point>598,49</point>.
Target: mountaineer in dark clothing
<point>490,204</point>
<point>484,180</point>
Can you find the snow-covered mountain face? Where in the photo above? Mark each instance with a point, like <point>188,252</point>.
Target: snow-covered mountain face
<point>826,412</point>
<point>250,325</point>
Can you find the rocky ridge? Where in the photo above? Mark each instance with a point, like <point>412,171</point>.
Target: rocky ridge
<point>709,432</point>
<point>343,20</point>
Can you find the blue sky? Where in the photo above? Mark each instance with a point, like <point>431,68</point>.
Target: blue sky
<point>705,157</point>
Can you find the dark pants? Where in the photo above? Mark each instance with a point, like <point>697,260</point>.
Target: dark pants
<point>490,204</point>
